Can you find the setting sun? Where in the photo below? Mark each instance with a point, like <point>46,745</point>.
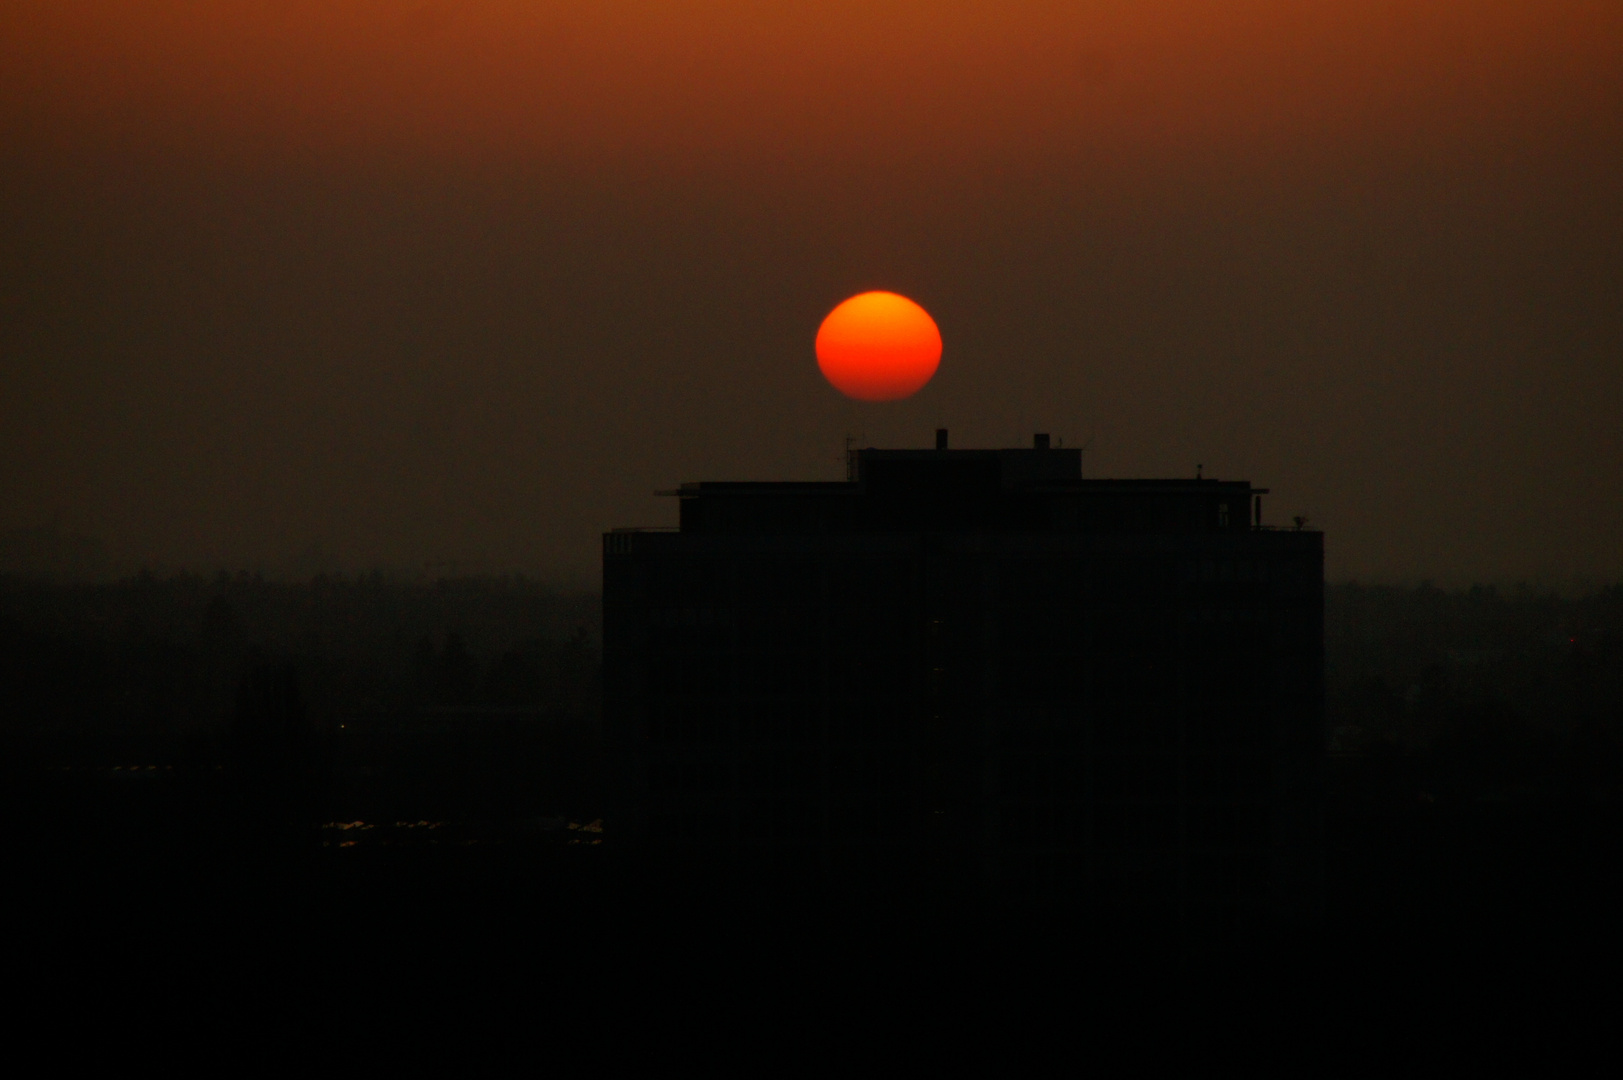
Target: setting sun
<point>878,346</point>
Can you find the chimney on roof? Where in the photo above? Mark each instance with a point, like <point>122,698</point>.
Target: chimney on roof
<point>1039,441</point>
<point>940,438</point>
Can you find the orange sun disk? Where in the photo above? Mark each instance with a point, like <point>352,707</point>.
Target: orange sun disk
<point>878,346</point>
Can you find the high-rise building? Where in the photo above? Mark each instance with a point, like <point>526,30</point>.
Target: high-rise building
<point>975,670</point>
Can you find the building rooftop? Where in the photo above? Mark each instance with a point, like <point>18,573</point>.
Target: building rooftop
<point>997,490</point>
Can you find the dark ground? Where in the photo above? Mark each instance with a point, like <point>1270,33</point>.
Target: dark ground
<point>1488,924</point>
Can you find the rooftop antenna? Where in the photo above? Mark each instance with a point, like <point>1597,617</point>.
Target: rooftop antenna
<point>851,442</point>
<point>1197,471</point>
<point>1081,453</point>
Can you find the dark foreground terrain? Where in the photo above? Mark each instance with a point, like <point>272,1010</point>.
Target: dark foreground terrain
<point>223,825</point>
<point>1490,923</point>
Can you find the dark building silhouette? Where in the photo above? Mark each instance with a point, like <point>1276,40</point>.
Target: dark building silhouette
<point>975,671</point>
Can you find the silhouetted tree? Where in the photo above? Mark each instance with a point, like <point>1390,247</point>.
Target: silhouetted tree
<point>458,671</point>
<point>274,753</point>
<point>511,680</point>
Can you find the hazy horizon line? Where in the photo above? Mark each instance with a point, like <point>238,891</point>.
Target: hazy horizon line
<point>1571,586</point>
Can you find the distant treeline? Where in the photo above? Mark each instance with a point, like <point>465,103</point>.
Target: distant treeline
<point>1486,694</point>
<point>154,666</point>
<point>153,669</point>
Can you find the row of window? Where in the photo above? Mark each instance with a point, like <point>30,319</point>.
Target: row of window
<point>1019,677</point>
<point>766,770</point>
<point>1235,828</point>
<point>1194,876</point>
<point>775,582</point>
<point>768,819</point>
<point>869,623</point>
<point>1149,777</point>
<point>1019,780</point>
<point>1060,730</point>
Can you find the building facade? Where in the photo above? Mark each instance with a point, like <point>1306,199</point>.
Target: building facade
<point>974,671</point>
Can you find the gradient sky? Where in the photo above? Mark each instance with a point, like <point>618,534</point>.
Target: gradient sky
<point>466,281</point>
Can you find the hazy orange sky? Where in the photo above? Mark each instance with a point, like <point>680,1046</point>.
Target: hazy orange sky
<point>499,81</point>
<point>395,282</point>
